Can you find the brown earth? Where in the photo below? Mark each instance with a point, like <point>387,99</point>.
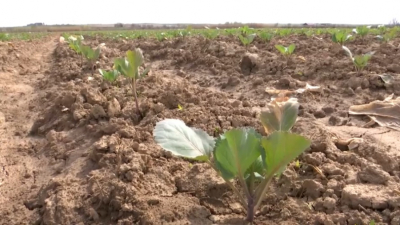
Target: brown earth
<point>73,150</point>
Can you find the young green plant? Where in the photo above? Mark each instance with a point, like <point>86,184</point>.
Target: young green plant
<point>246,40</point>
<point>266,36</point>
<point>90,54</point>
<point>341,37</point>
<point>241,154</point>
<point>110,76</point>
<point>129,68</point>
<point>391,34</point>
<point>359,61</point>
<point>286,51</point>
<point>362,31</point>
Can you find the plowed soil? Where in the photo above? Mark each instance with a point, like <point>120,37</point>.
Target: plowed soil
<point>74,151</point>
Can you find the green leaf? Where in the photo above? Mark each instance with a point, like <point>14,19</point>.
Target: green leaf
<point>280,148</point>
<point>121,65</point>
<point>145,72</point>
<point>236,151</point>
<point>243,39</point>
<point>334,39</point>
<point>291,49</point>
<point>257,168</point>
<point>281,49</point>
<point>174,136</point>
<point>280,117</point>
<point>135,59</point>
<point>109,75</point>
<point>131,59</point>
<point>250,38</point>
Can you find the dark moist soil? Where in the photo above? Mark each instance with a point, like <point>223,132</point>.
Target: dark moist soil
<point>74,151</point>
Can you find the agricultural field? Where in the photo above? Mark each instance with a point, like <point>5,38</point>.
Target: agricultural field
<point>85,135</point>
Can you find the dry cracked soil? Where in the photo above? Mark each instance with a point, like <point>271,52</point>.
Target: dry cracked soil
<point>74,151</point>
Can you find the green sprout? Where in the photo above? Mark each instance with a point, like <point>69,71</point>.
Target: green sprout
<point>90,54</point>
<point>387,36</point>
<point>75,43</point>
<point>382,29</point>
<point>286,51</point>
<point>160,36</point>
<point>245,30</point>
<point>110,76</point>
<point>341,37</point>
<point>129,68</point>
<point>266,36</point>
<point>211,34</point>
<point>246,40</point>
<point>284,32</point>
<point>241,154</point>
<point>362,30</point>
<point>186,32</point>
<point>359,61</point>
<point>230,32</point>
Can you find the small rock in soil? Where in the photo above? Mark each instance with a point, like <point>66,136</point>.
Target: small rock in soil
<point>328,109</point>
<point>329,204</point>
<point>232,81</point>
<point>394,68</point>
<point>114,108</point>
<point>374,175</point>
<point>369,196</point>
<point>98,112</point>
<point>313,188</point>
<point>319,114</point>
<point>248,63</point>
<point>335,121</point>
<point>315,158</point>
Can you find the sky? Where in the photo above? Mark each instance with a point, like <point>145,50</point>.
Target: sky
<point>23,12</point>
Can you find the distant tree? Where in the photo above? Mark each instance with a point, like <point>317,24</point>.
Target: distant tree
<point>35,24</point>
<point>394,22</point>
<point>118,25</point>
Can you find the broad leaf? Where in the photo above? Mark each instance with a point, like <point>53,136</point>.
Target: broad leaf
<point>131,59</point>
<point>174,136</point>
<point>236,151</point>
<point>122,66</point>
<point>135,59</point>
<point>109,75</point>
<point>281,49</point>
<point>280,116</point>
<point>291,48</point>
<point>250,38</point>
<point>280,148</point>
<point>258,168</point>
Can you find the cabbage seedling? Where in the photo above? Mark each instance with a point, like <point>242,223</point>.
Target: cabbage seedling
<point>245,30</point>
<point>266,36</point>
<point>286,51</point>
<point>211,34</point>
<point>129,68</point>
<point>160,36</point>
<point>382,29</point>
<point>90,54</point>
<point>387,36</point>
<point>110,76</point>
<point>359,61</point>
<point>340,37</point>
<point>362,31</point>
<point>246,40</point>
<point>240,154</point>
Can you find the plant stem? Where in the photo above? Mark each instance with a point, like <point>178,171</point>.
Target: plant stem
<point>250,200</point>
<point>242,201</point>
<point>136,98</point>
<point>250,210</point>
